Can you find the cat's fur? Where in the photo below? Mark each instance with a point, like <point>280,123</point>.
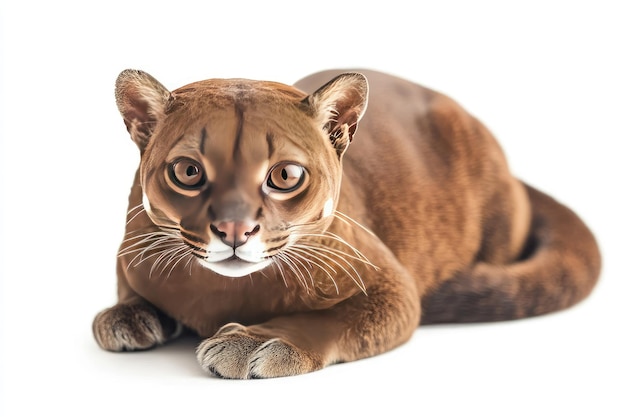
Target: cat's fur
<point>260,219</point>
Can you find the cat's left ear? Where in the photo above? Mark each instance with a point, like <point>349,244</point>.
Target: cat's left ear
<point>142,101</point>
<point>338,106</point>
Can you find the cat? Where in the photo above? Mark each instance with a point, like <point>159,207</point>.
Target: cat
<point>260,219</point>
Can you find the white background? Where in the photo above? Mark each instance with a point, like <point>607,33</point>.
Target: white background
<point>548,78</point>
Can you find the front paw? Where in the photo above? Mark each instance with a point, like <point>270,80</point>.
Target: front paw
<point>132,327</point>
<point>235,352</point>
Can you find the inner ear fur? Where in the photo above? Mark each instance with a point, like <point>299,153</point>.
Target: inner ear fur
<point>141,100</point>
<point>338,106</point>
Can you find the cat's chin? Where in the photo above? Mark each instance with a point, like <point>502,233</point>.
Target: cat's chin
<point>235,268</point>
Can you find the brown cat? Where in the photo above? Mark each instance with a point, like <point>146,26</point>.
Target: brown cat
<point>259,219</point>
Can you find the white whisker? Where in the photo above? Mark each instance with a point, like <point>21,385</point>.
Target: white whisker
<point>181,254</point>
<point>341,240</point>
<point>307,250</point>
<point>164,247</point>
<point>280,269</point>
<point>284,257</point>
<point>347,219</point>
<point>310,262</point>
<point>189,263</point>
<point>140,205</point>
<point>164,258</point>
<point>139,246</point>
<point>295,257</point>
<point>315,248</point>
<point>159,246</point>
<point>136,214</point>
<point>321,251</point>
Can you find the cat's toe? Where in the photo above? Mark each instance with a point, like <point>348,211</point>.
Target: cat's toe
<point>226,356</point>
<point>128,327</point>
<point>276,358</point>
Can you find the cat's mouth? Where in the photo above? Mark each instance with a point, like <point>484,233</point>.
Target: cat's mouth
<point>234,266</point>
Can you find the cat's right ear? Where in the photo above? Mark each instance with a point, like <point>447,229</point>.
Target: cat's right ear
<point>141,100</point>
<point>338,106</point>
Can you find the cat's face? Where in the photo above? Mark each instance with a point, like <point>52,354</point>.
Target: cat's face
<point>242,172</point>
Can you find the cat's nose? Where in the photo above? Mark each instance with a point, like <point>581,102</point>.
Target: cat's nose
<point>236,233</point>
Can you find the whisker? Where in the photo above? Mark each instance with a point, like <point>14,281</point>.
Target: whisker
<point>136,214</point>
<point>307,251</point>
<point>189,263</point>
<point>322,265</point>
<point>339,252</point>
<point>284,258</point>
<point>147,236</point>
<point>295,257</point>
<point>159,251</point>
<point>141,251</point>
<point>294,262</point>
<point>163,256</point>
<point>134,208</point>
<point>341,240</point>
<point>161,244</point>
<point>182,253</point>
<point>347,220</point>
<point>358,280</point>
<point>280,269</point>
<point>129,249</point>
<point>310,262</point>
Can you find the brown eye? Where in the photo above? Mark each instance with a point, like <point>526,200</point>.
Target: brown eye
<point>187,174</point>
<point>286,177</point>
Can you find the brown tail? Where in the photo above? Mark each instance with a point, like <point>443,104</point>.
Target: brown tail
<point>559,267</point>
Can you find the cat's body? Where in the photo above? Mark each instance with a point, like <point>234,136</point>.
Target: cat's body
<point>320,251</point>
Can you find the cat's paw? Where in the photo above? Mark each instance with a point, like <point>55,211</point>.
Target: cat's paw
<point>132,327</point>
<point>237,353</point>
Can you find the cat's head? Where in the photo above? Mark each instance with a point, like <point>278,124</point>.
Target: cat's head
<point>240,170</point>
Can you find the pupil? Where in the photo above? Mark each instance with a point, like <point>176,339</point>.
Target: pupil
<point>191,171</point>
<point>284,174</point>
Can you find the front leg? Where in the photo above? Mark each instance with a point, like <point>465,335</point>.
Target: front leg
<point>362,326</point>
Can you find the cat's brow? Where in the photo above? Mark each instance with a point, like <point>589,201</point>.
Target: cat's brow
<point>187,143</point>
<point>236,148</point>
<point>203,136</point>
<point>269,138</point>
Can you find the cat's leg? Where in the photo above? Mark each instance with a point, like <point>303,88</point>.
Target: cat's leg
<point>133,323</point>
<point>359,327</point>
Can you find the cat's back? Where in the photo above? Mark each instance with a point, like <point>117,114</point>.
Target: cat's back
<point>419,165</point>
<point>408,124</point>
<point>391,98</point>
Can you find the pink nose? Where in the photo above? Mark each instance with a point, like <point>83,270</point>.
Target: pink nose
<point>235,234</point>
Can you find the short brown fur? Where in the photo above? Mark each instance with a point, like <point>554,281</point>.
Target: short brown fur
<point>427,224</point>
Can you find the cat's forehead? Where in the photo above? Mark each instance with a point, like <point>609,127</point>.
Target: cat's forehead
<point>227,119</point>
<point>238,133</point>
<point>237,91</point>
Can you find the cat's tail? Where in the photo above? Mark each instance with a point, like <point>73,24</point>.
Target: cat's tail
<point>559,267</point>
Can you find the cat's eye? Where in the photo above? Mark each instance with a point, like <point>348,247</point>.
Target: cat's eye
<point>285,177</point>
<point>186,174</point>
